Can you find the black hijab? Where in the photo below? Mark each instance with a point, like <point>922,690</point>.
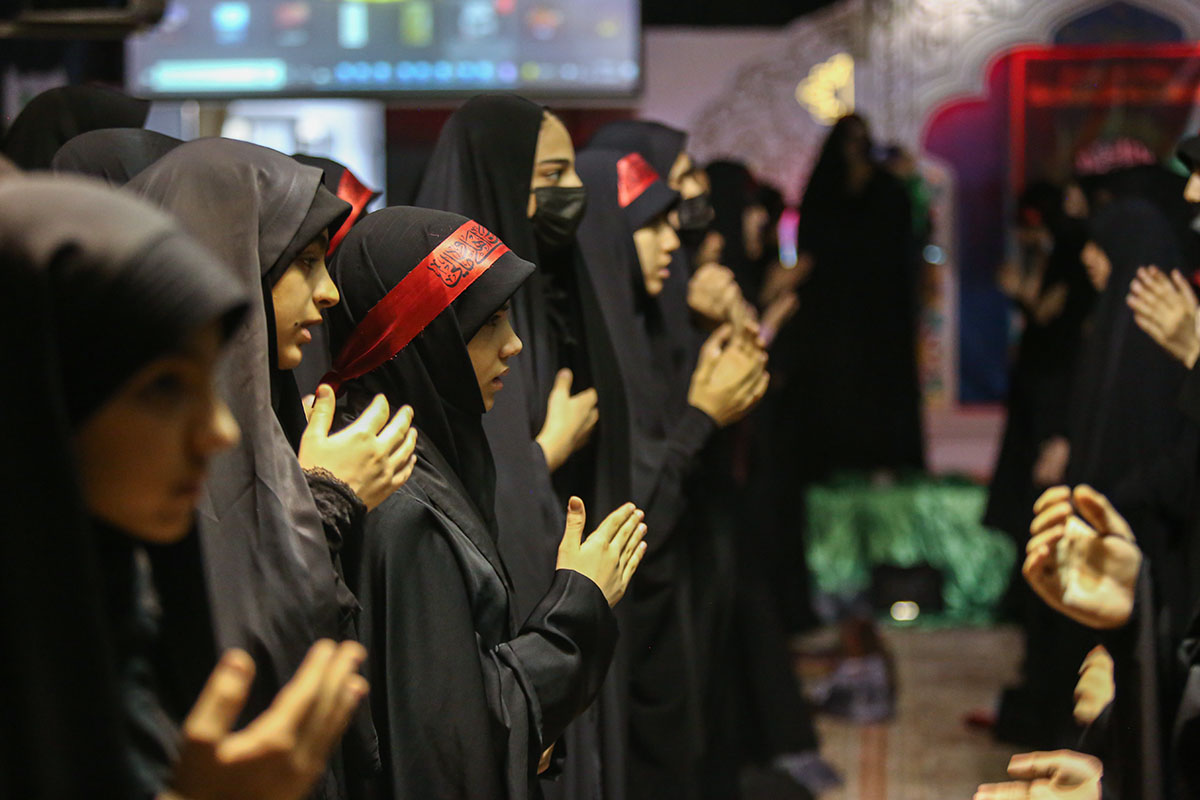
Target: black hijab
<point>115,155</point>
<point>106,285</point>
<point>661,146</point>
<point>433,374</point>
<point>1125,385</point>
<point>55,116</point>
<point>625,194</point>
<point>274,590</point>
<point>482,168</point>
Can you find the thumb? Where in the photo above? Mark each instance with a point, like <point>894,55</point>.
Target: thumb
<point>222,699</point>
<point>576,520</point>
<point>563,381</point>
<point>1099,512</point>
<point>324,404</point>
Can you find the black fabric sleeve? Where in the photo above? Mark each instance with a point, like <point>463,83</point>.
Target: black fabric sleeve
<point>565,648</point>
<point>661,485</point>
<point>458,718</point>
<point>342,512</point>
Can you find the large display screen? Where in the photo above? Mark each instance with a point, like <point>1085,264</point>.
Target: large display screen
<point>236,48</point>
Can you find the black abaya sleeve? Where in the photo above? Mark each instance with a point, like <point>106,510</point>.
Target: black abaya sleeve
<point>464,710</point>
<point>661,472</point>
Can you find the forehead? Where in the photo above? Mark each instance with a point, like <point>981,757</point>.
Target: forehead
<point>554,142</point>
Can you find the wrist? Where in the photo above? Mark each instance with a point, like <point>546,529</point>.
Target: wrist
<point>1192,354</point>
<point>550,449</point>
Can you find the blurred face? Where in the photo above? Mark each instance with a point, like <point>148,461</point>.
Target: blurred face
<point>553,159</point>
<point>655,243</point>
<point>1098,267</point>
<point>1191,192</point>
<point>144,455</point>
<point>298,296</point>
<point>490,349</point>
<point>1075,204</point>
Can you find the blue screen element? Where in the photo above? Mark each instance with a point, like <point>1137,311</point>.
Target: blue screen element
<point>234,48</point>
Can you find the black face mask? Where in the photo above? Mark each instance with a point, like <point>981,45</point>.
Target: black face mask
<point>695,213</point>
<point>558,214</point>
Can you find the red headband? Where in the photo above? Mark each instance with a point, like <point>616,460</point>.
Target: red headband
<point>413,303</point>
<point>634,177</point>
<point>353,192</point>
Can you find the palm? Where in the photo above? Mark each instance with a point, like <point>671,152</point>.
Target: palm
<point>1088,577</point>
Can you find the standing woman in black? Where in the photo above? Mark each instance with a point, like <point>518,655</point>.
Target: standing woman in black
<point>854,398</point>
<point>510,165</point>
<point>270,529</point>
<point>627,244</point>
<point>471,696</point>
<point>123,320</point>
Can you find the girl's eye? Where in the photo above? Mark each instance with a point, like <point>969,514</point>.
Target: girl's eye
<point>164,388</point>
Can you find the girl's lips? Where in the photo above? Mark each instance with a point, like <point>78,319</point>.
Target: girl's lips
<point>305,336</point>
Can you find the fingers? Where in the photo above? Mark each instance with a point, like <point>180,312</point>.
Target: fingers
<point>576,520</point>
<point>374,416</point>
<point>717,341</point>
<point>296,698</point>
<point>1184,288</point>
<point>634,561</point>
<point>588,397</point>
<point>1051,516</point>
<point>1045,539</point>
<point>1077,766</point>
<point>562,382</point>
<point>320,419</point>
<point>1099,512</point>
<point>613,523</point>
<point>1097,656</point>
<point>404,458</point>
<point>1010,790</point>
<point>341,689</point>
<point>621,540</point>
<point>222,699</point>
<point>1055,494</point>
<point>631,546</point>
<point>396,433</point>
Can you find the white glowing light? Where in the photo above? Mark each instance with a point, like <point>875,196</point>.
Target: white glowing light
<point>905,611</point>
<point>828,91</point>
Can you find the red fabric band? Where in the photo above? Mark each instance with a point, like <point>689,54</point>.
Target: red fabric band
<point>353,192</point>
<point>634,176</point>
<point>414,302</point>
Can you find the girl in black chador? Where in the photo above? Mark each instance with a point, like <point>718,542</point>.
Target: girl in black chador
<point>123,320</point>
<point>472,694</point>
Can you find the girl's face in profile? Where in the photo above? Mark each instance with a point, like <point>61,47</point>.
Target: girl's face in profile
<point>490,349</point>
<point>655,243</point>
<point>143,456</point>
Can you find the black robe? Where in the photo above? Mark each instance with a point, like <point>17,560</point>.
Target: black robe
<point>666,437</point>
<point>465,695</point>
<point>274,588</point>
<point>107,284</point>
<point>482,168</point>
<point>850,353</point>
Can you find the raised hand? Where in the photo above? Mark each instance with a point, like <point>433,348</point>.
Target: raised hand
<point>730,377</point>
<point>1085,568</point>
<point>714,295</point>
<point>570,420</point>
<point>1057,775</point>
<point>611,554</point>
<point>282,753</point>
<point>372,455</point>
<point>1166,309</point>
<point>1096,687</point>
